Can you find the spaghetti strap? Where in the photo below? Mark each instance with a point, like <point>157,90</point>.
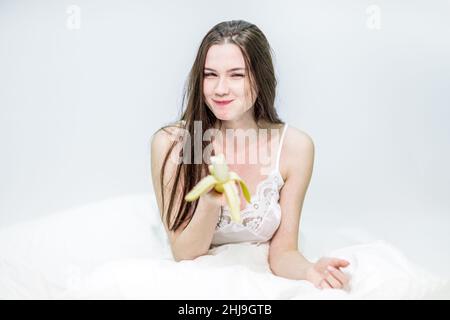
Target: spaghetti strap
<point>280,146</point>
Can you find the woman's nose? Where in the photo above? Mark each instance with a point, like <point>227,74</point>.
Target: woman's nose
<point>222,87</point>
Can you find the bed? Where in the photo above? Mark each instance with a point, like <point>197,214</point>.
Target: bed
<point>117,249</point>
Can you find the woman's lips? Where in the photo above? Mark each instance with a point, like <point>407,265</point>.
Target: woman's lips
<point>222,102</point>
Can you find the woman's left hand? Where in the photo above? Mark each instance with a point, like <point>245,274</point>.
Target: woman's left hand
<point>325,273</point>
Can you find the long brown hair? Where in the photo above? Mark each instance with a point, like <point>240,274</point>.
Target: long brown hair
<point>259,66</point>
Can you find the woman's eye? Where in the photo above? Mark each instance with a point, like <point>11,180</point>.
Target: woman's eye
<point>213,75</point>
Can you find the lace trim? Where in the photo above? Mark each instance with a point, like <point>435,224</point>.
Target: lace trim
<point>262,202</point>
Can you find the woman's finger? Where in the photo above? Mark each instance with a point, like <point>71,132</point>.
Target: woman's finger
<point>339,263</point>
<point>325,284</point>
<point>338,274</point>
<point>335,283</point>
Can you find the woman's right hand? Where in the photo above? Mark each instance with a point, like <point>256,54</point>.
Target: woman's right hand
<point>214,198</point>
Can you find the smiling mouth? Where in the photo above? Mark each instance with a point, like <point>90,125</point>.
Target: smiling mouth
<point>222,102</point>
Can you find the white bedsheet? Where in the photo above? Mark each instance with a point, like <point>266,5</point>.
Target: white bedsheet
<point>240,271</point>
<point>116,249</point>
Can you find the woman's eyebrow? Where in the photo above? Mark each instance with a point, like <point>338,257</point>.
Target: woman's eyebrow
<point>233,69</point>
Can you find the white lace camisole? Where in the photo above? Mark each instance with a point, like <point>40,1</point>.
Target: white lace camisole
<point>261,217</point>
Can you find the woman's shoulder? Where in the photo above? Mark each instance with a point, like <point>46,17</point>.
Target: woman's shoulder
<point>295,141</point>
<point>163,138</point>
<point>172,130</point>
<point>296,137</point>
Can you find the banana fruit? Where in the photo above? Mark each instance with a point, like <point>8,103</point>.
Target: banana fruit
<point>224,181</point>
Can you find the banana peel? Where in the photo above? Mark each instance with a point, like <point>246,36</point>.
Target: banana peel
<point>223,181</point>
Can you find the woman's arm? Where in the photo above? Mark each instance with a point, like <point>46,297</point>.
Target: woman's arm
<point>290,264</point>
<point>190,240</point>
<point>196,238</point>
<point>324,273</point>
<point>284,257</point>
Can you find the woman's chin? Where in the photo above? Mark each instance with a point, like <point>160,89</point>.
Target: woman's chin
<point>223,116</point>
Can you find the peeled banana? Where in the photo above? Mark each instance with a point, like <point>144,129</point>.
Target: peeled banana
<point>224,181</point>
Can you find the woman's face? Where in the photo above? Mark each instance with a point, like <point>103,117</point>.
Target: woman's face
<point>225,79</point>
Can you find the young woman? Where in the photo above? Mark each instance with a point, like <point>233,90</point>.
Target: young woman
<point>231,87</point>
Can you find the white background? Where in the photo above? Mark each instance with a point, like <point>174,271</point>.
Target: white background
<point>78,106</point>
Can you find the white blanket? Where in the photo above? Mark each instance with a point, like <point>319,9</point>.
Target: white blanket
<point>117,249</point>
<point>241,271</point>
